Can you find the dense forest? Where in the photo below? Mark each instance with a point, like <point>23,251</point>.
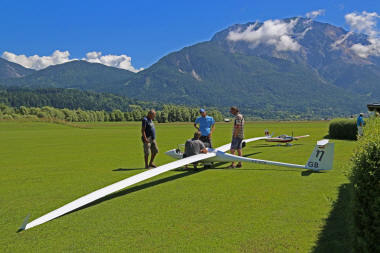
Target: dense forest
<point>168,113</point>
<point>76,106</point>
<point>75,99</point>
<point>70,99</point>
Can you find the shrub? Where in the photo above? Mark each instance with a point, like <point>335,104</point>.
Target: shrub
<point>23,110</point>
<point>16,116</point>
<point>6,117</point>
<point>44,115</point>
<point>366,180</point>
<point>343,129</point>
<point>32,117</point>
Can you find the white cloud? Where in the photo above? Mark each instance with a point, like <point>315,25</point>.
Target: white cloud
<point>58,57</point>
<point>272,32</point>
<point>119,61</point>
<point>366,50</point>
<point>38,62</point>
<point>314,14</point>
<point>365,22</point>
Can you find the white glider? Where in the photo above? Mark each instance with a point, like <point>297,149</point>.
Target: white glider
<point>320,159</point>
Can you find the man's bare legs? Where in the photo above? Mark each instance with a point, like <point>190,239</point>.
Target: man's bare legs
<point>151,164</point>
<point>146,157</point>
<point>232,151</point>
<point>240,153</point>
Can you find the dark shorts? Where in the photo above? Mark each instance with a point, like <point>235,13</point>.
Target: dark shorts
<point>151,146</point>
<point>206,141</point>
<point>236,143</point>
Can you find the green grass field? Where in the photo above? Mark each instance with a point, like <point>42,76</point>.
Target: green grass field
<point>257,208</point>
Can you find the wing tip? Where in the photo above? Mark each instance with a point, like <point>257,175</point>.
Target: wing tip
<point>23,225</point>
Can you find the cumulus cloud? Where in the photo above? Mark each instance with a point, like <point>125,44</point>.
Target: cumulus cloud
<point>366,50</point>
<point>365,22</point>
<point>272,32</point>
<point>38,62</point>
<point>58,57</point>
<point>119,61</point>
<point>314,14</point>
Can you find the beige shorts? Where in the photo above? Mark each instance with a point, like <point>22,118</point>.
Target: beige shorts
<point>360,130</point>
<point>151,146</point>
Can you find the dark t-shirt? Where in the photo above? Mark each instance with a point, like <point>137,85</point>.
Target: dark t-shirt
<point>193,147</point>
<point>150,131</point>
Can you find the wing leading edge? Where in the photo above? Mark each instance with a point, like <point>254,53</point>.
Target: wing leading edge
<point>226,147</point>
<point>114,188</point>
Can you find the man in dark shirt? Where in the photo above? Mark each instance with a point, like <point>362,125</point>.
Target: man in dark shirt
<point>148,138</point>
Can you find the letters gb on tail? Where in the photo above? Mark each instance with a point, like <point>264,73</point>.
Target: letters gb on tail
<point>322,157</point>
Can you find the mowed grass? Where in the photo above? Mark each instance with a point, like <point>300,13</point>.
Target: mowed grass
<point>257,208</point>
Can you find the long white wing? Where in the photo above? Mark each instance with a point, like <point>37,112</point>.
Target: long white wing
<point>226,147</point>
<point>114,188</point>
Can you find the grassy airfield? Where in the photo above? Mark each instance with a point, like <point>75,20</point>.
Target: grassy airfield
<point>257,208</point>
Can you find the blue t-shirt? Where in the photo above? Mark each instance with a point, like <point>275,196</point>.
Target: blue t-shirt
<point>150,131</point>
<point>205,124</point>
<point>360,120</point>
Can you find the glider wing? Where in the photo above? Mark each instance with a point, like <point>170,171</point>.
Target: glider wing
<point>114,188</point>
<point>299,137</point>
<point>227,147</point>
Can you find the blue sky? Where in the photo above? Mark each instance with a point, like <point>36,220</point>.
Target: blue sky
<point>143,30</point>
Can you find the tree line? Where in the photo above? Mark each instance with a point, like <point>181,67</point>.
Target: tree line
<point>69,98</point>
<point>168,113</point>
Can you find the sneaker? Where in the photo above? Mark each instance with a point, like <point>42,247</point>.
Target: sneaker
<point>239,165</point>
<point>152,165</point>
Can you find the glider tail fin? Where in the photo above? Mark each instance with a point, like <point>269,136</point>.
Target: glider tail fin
<point>267,134</point>
<point>322,157</point>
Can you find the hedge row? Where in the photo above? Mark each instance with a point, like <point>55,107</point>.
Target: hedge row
<point>343,129</point>
<point>366,180</point>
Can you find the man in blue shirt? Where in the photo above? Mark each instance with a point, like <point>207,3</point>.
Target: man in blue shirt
<point>206,127</point>
<point>148,132</point>
<point>360,123</point>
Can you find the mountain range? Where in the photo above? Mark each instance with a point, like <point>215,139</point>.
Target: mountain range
<point>13,70</point>
<point>309,70</point>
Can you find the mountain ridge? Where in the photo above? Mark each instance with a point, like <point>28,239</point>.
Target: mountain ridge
<point>321,77</point>
<point>13,70</point>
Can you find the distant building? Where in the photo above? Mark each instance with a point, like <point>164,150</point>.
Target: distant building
<point>374,108</point>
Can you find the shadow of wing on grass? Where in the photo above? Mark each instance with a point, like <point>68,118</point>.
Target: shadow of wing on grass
<point>246,155</point>
<point>124,169</point>
<point>337,234</point>
<point>136,188</point>
<point>276,145</point>
<point>216,165</point>
<point>237,169</point>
